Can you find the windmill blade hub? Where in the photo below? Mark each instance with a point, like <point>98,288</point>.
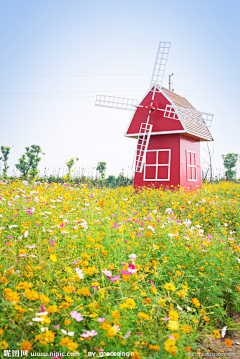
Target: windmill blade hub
<point>151,107</point>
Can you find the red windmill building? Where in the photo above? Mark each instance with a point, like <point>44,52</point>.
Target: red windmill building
<point>169,131</point>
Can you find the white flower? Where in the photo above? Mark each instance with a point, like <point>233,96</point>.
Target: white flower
<point>130,270</point>
<point>152,229</point>
<point>223,332</point>
<point>169,211</point>
<point>79,273</point>
<point>188,309</point>
<point>178,307</point>
<point>187,222</point>
<point>42,313</point>
<point>132,256</point>
<point>43,329</point>
<point>238,260</point>
<point>71,334</point>
<point>38,319</point>
<point>25,234</point>
<point>108,273</point>
<point>155,211</point>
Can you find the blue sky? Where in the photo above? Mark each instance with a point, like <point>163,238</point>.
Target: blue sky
<point>57,55</point>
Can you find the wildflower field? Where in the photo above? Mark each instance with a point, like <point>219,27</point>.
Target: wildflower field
<point>114,270</point>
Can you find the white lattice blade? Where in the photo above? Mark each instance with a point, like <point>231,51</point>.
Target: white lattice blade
<point>186,114</point>
<point>160,63</point>
<point>142,145</point>
<point>170,112</point>
<point>121,103</point>
<point>200,118</point>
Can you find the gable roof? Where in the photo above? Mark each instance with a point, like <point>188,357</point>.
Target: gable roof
<point>192,128</point>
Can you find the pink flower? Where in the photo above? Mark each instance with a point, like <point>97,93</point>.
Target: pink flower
<point>100,320</point>
<point>223,333</point>
<point>42,308</point>
<point>108,273</point>
<point>57,326</point>
<point>91,333</point>
<point>128,334</point>
<point>116,277</point>
<point>51,242</point>
<point>152,283</point>
<point>77,316</point>
<point>165,319</point>
<point>10,237</point>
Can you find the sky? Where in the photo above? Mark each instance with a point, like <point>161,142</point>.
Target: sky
<point>57,55</point>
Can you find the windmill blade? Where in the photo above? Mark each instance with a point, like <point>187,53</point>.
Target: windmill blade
<point>160,63</point>
<point>142,145</point>
<point>121,103</point>
<point>188,115</point>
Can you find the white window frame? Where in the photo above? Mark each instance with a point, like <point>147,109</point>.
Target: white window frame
<point>156,165</point>
<point>191,166</point>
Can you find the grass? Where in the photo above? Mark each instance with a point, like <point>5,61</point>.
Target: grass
<point>115,270</point>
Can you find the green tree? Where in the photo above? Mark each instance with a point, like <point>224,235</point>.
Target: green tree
<point>101,167</point>
<point>69,165</point>
<point>230,161</point>
<point>5,154</point>
<point>29,161</point>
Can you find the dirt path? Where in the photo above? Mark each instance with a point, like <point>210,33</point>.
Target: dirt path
<point>214,345</point>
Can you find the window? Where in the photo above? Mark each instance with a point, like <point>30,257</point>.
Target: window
<point>191,166</point>
<point>157,165</point>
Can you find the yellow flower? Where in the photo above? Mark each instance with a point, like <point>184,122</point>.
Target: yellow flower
<point>68,299</point>
<point>176,335</point>
<point>173,315</point>
<point>3,344</point>
<point>67,321</point>
<point>154,290</point>
<point>186,328</point>
<point>228,342</point>
<point>52,308</point>
<point>26,346</point>
<point>217,334</point>
<point>72,344</point>
<point>170,346</point>
<point>195,301</point>
<point>64,341</point>
<point>106,326</point>
<point>161,302</point>
<point>24,285</point>
<point>143,315</point>
<point>178,272</point>
<point>155,347</point>
<point>31,294</point>
<point>130,303</point>
<point>173,325</point>
<point>115,314</point>
<point>169,286</point>
<point>112,332</point>
<point>206,318</point>
<point>1,331</point>
<point>20,308</point>
<point>44,299</point>
<point>84,291</point>
<point>53,257</point>
<point>12,296</point>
